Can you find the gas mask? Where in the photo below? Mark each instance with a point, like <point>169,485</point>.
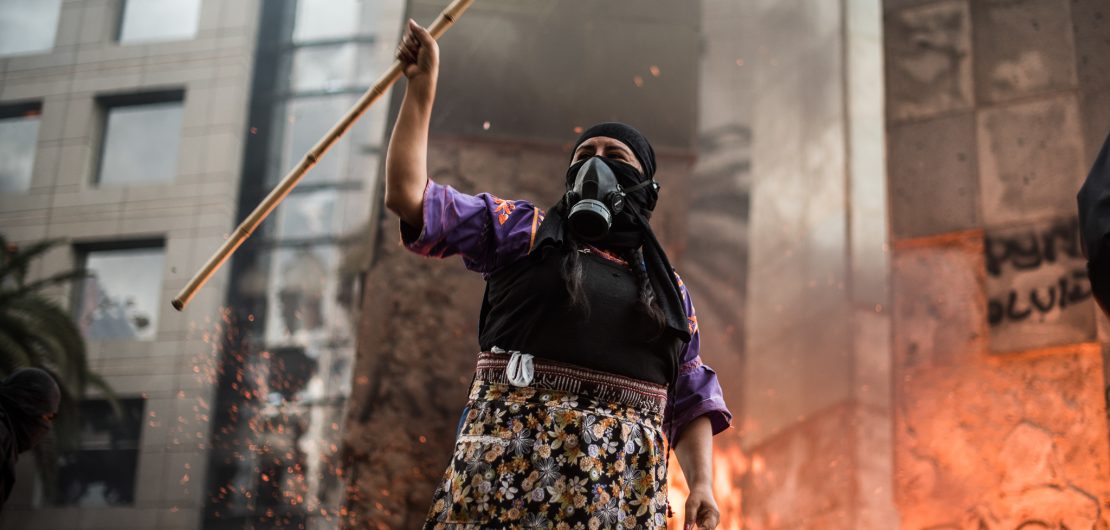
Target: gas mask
<point>595,197</point>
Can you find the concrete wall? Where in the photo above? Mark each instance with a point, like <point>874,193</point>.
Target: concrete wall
<point>192,213</point>
<point>995,112</point>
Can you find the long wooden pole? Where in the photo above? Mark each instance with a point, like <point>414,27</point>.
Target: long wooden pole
<point>442,23</point>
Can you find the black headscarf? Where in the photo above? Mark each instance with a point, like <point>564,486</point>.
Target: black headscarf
<point>629,137</point>
<point>1094,225</point>
<point>631,228</point>
<point>28,397</point>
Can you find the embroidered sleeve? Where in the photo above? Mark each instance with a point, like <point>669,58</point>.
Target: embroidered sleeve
<point>697,390</point>
<point>487,231</point>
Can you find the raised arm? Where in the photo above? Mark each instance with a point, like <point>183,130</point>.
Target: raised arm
<point>406,161</point>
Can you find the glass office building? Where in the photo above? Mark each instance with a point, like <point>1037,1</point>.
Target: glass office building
<point>140,132</point>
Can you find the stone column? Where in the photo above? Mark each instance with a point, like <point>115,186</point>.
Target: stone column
<point>816,411</point>
<point>994,113</point>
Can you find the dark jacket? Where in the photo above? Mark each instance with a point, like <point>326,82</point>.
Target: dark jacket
<point>1094,225</point>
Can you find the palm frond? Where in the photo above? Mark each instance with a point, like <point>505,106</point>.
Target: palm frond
<point>17,328</point>
<point>35,331</point>
<point>53,323</point>
<point>12,354</point>
<point>16,263</point>
<point>44,347</point>
<point>50,281</point>
<point>98,382</point>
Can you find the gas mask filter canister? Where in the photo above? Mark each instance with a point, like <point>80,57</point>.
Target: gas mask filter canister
<point>595,197</point>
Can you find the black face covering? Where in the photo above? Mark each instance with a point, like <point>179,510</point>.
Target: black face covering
<point>630,230</point>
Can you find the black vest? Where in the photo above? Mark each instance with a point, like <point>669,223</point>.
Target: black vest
<point>526,308</point>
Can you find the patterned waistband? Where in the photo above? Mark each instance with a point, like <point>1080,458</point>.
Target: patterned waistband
<point>562,377</point>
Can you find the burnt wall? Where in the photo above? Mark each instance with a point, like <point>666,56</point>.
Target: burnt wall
<point>995,110</point>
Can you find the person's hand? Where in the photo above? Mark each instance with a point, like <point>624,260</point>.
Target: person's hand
<point>418,53</point>
<point>701,510</point>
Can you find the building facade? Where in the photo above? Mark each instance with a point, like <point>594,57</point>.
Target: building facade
<point>138,133</point>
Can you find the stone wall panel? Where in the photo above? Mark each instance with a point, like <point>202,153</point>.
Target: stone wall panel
<point>934,187</point>
<point>939,304</point>
<point>1022,47</point>
<point>1037,287</point>
<point>1092,43</point>
<point>1030,160</point>
<point>991,445</point>
<point>928,60</point>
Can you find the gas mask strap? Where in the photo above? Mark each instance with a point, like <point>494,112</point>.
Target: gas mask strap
<point>643,184</point>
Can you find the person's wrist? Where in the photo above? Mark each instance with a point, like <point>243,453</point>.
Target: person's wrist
<point>702,486</point>
<point>423,85</point>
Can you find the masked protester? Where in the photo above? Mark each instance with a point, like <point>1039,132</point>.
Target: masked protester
<point>1094,224</point>
<point>29,399</point>
<point>590,347</point>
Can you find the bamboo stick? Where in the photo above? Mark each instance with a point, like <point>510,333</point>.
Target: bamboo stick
<point>442,23</point>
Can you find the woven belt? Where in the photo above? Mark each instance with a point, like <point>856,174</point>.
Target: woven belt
<point>511,368</point>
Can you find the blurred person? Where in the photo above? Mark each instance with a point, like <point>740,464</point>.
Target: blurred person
<point>589,360</point>
<point>1094,226</point>
<point>29,399</point>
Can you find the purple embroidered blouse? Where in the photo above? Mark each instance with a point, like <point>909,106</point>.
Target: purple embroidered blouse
<point>490,233</point>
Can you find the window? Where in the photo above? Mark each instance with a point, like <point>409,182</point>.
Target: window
<point>101,471</point>
<point>19,132</point>
<point>152,20</point>
<point>123,294</point>
<point>307,120</point>
<point>28,26</point>
<point>308,214</point>
<point>332,68</point>
<point>141,138</point>
<point>329,19</point>
<point>301,293</point>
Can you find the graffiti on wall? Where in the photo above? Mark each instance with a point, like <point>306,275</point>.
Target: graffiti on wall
<point>1037,288</point>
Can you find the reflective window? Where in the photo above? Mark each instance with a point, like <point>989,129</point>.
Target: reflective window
<point>122,296</point>
<point>329,19</point>
<point>307,120</point>
<point>305,215</point>
<point>18,138</point>
<point>302,295</point>
<point>140,143</point>
<point>28,26</point>
<point>101,472</point>
<point>331,68</point>
<point>305,276</point>
<point>147,20</point>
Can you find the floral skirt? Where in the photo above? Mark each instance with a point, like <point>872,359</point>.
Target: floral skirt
<point>572,449</point>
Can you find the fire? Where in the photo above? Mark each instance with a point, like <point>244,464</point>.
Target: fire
<point>729,466</point>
